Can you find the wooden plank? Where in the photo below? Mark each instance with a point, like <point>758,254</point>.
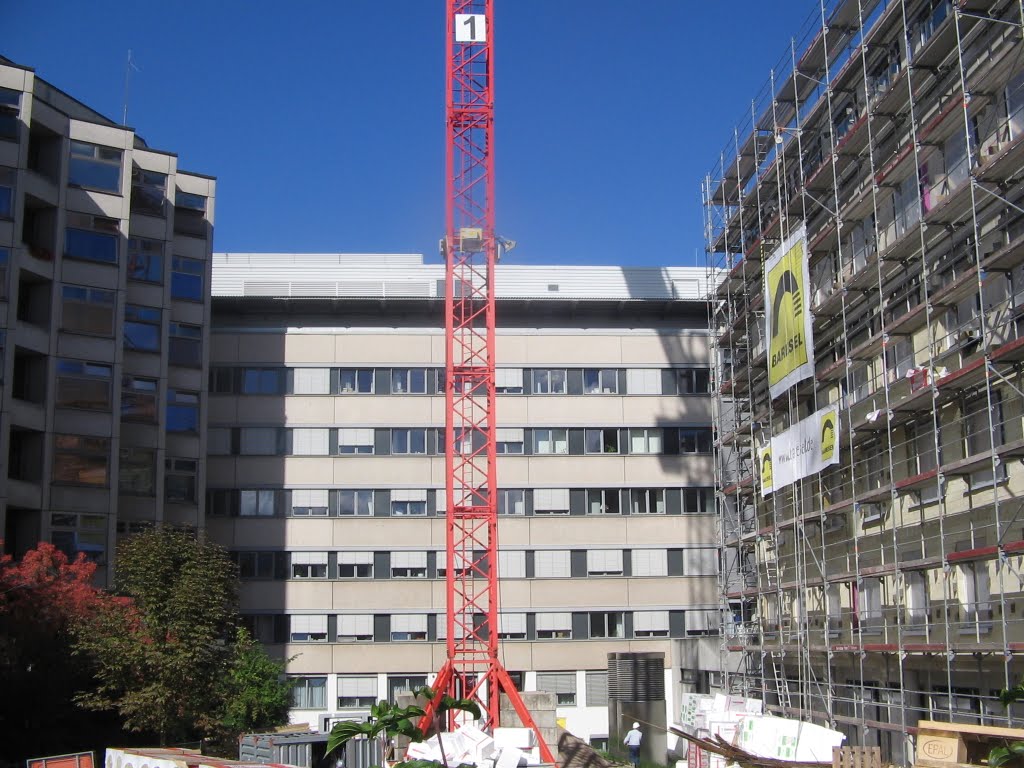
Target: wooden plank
<point>926,726</point>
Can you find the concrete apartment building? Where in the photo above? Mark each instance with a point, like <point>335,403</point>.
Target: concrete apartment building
<point>105,251</point>
<point>887,587</point>
<point>326,473</point>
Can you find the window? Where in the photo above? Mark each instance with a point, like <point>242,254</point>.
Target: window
<point>551,564</point>
<point>7,177</point>
<point>137,473</point>
<point>603,501</point>
<point>80,460</point>
<point>309,565</point>
<point>355,381</point>
<point>981,438</point>
<point>310,502</point>
<point>645,441</point>
<point>868,603</point>
<point>646,501</point>
<point>649,562</point>
<point>696,501</point>
<point>643,381</point>
<point>262,381</point>
<point>700,562</point>
<point>549,381</point>
<point>149,192</point>
<point>307,629</point>
<point>355,565</point>
<point>974,589</point>
<point>256,565</point>
<point>311,442</point>
<point>512,502</point>
<point>189,214</point>
<point>607,624</point>
<point>512,564</point>
<point>222,380</point>
<point>309,692</point>
<point>463,562</point>
<point>182,411</point>
<point>357,503</point>
<point>72,533</point>
<point>915,599</point>
<point>512,626</point>
<point>186,345</point>
<point>83,385</point>
<point>218,440</point>
<point>408,503</point>
<point>138,399</point>
<point>355,441</point>
<point>408,627</point>
<point>604,440</point>
<point>95,167</point>
<point>406,381</point>
<point>694,381</point>
<point>551,501</point>
<point>356,692</point>
<point>145,260</point>
<point>600,381</point>
<point>597,688</point>
<point>258,441</point>
<point>562,684</point>
<point>91,238</point>
<point>508,441</point>
<point>508,381</point>
<point>404,684</point>
<point>604,562</point>
<point>87,310</point>
<point>9,120</point>
<point>355,629</point>
<point>258,503</point>
<point>187,278</point>
<point>650,624</point>
<point>695,440</point>
<point>141,328</point>
<point>701,622</point>
<point>407,441</point>
<point>408,565</point>
<point>311,381</point>
<point>550,441</point>
<point>180,480</point>
<point>554,626</point>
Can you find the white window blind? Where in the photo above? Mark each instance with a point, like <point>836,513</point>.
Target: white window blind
<point>441,499</point>
<point>408,622</point>
<point>357,686</point>
<point>597,689</point>
<point>645,441</point>
<point>355,558</point>
<point>310,442</point>
<point>355,437</point>
<point>218,441</point>
<point>310,497</point>
<point>511,564</point>
<point>312,381</point>
<point>405,494</point>
<point>551,499</point>
<point>643,381</point>
<point>554,621</point>
<point>309,558</point>
<point>650,562</point>
<point>508,377</point>
<point>604,561</point>
<point>552,564</point>
<point>700,562</point>
<point>358,625</point>
<point>442,628</point>
<point>408,559</point>
<point>308,625</point>
<point>650,621</point>
<point>508,435</point>
<point>700,621</point>
<point>512,623</point>
<point>556,682</point>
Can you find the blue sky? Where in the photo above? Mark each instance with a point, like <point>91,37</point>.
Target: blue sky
<point>324,120</point>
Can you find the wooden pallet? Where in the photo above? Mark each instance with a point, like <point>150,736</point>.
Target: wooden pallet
<point>856,757</point>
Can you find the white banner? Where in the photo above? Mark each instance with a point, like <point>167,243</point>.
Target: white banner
<point>787,314</point>
<point>805,448</point>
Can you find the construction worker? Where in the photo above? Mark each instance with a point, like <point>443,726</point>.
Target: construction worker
<point>632,740</point>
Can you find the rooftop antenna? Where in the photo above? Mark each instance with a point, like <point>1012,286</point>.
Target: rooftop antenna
<point>128,67</point>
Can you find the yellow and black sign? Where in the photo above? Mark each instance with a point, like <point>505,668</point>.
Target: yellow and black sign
<point>828,436</point>
<point>788,316</point>
<point>765,457</point>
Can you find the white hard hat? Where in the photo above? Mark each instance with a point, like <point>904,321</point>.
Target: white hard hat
<point>636,725</point>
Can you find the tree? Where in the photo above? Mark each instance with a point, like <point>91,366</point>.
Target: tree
<point>171,662</point>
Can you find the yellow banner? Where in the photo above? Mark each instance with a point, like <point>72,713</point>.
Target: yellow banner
<point>788,315</point>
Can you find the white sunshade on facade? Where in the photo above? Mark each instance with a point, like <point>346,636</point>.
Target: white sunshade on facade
<point>408,559</point>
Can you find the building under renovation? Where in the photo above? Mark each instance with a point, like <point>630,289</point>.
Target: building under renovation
<point>870,445</point>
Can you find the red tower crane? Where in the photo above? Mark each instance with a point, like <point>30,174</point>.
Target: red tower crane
<point>473,669</point>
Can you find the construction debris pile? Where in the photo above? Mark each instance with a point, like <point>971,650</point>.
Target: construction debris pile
<point>507,748</point>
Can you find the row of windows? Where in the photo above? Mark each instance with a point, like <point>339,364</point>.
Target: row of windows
<point>430,627</point>
<point>513,564</point>
<point>430,381</point>
<point>324,502</point>
<point>429,441</point>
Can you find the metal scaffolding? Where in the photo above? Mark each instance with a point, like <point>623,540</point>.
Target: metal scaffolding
<point>889,587</point>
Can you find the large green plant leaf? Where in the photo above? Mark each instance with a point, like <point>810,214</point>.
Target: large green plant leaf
<point>345,731</point>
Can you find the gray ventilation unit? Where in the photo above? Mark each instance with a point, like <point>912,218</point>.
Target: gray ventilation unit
<point>636,676</point>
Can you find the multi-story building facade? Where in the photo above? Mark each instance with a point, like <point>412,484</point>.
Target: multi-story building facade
<point>105,249</point>
<point>886,588</point>
<point>327,472</point>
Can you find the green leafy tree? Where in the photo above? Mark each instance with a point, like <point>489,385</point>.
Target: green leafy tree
<point>169,660</point>
<point>1011,753</point>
